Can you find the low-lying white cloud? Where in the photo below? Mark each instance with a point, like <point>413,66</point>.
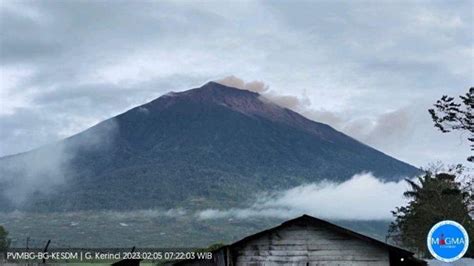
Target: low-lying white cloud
<point>45,169</point>
<point>109,214</point>
<point>147,213</point>
<point>37,171</point>
<point>363,197</point>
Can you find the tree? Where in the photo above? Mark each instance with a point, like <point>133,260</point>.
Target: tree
<point>4,241</point>
<point>434,197</point>
<point>449,115</point>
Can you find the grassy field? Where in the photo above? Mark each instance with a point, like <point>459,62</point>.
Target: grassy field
<point>144,229</point>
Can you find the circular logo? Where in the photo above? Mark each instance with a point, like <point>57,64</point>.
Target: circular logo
<point>447,241</point>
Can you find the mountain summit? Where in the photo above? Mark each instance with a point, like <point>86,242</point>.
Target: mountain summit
<point>213,146</point>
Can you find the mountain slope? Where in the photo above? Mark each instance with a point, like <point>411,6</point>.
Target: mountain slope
<point>213,146</point>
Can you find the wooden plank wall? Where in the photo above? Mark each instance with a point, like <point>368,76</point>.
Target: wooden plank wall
<point>309,245</point>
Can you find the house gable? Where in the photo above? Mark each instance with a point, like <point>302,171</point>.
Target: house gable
<point>307,244</point>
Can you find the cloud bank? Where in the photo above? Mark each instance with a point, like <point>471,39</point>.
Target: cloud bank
<point>363,197</point>
<point>66,65</point>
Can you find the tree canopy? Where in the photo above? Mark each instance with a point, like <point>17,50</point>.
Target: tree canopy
<point>449,115</point>
<point>4,241</point>
<point>434,197</point>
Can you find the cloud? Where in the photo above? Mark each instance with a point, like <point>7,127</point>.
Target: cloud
<point>36,172</point>
<point>407,133</point>
<point>72,64</point>
<point>430,19</point>
<point>151,213</point>
<point>98,137</point>
<point>363,197</point>
<point>43,170</point>
<point>143,110</point>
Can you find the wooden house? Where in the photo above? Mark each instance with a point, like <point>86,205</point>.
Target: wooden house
<point>308,241</point>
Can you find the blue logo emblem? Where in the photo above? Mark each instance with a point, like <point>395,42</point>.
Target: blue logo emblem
<point>447,241</point>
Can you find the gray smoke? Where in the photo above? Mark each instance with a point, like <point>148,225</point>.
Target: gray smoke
<point>235,82</point>
<point>286,101</point>
<point>380,130</point>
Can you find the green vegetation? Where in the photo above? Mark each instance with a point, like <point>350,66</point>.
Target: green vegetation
<point>439,194</point>
<point>434,197</point>
<point>4,241</point>
<point>449,115</point>
<point>212,247</point>
<point>95,229</point>
<point>196,154</point>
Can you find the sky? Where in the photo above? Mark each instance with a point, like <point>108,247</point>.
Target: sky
<point>368,68</point>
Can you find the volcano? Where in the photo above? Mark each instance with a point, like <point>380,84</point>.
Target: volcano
<point>209,147</point>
